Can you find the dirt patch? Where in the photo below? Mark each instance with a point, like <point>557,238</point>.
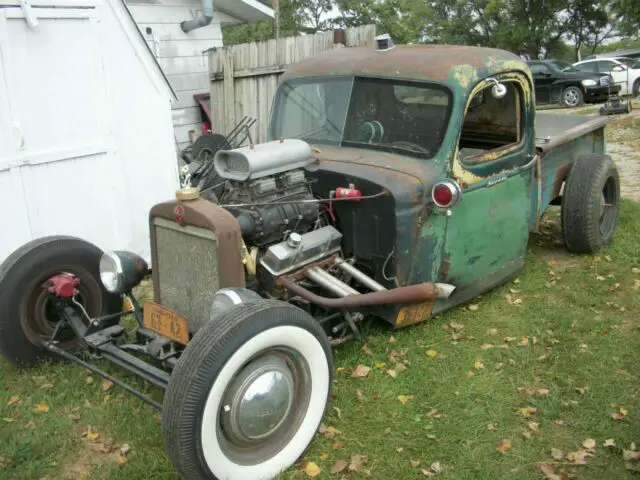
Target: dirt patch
<point>91,452</point>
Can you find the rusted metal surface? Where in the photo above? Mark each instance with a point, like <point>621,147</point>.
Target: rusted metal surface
<point>423,292</point>
<point>461,64</point>
<point>204,214</point>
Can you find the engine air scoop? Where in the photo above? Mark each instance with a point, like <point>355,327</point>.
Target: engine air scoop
<point>263,159</point>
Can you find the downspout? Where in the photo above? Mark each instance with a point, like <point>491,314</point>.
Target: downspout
<point>201,20</point>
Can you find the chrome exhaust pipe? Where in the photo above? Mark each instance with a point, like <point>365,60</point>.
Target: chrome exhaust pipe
<point>444,290</point>
<point>330,282</point>
<point>361,277</point>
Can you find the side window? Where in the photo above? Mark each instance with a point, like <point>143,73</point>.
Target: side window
<point>491,124</point>
<point>605,66</point>
<point>538,69</point>
<point>587,67</point>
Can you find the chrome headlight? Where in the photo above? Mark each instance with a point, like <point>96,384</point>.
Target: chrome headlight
<point>589,83</point>
<point>120,272</point>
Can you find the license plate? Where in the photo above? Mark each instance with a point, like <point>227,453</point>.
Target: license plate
<point>413,314</point>
<point>165,322</point>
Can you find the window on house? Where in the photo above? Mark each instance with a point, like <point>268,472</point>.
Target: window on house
<point>491,124</point>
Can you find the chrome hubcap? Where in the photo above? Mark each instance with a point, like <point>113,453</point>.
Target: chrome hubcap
<point>258,401</point>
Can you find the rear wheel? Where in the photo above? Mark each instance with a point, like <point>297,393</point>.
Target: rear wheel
<point>248,393</point>
<point>590,204</point>
<point>27,316</point>
<point>636,88</point>
<point>572,97</point>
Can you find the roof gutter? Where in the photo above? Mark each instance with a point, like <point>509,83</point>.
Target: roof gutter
<point>201,20</point>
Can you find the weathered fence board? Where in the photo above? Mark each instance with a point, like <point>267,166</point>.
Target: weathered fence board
<point>243,78</point>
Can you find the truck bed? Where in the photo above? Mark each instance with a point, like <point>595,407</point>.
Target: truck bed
<point>554,129</point>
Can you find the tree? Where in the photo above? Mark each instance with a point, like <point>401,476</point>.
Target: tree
<point>588,23</point>
<point>627,13</point>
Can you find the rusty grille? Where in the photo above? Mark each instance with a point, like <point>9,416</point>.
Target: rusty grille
<point>187,269</point>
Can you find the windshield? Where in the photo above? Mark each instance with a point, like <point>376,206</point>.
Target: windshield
<point>625,60</point>
<point>377,114</point>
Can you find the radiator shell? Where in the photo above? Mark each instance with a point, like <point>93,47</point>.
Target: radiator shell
<point>195,250</point>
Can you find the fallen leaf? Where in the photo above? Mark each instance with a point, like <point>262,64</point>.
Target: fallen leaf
<point>360,393</point>
<point>13,400</point>
<point>548,472</point>
<point>509,339</point>
<point>357,461</point>
<point>492,331</point>
<point>366,350</point>
<point>504,446</point>
<point>380,365</point>
<point>527,411</point>
<point>524,342</point>
<point>557,454</point>
<point>392,339</point>
<point>361,371</point>
<point>456,326</point>
<point>121,459</point>
<point>339,412</point>
<point>329,431</point>
<point>312,470</point>
<point>339,466</point>
<point>399,449</point>
<point>527,434</point>
<point>624,411</point>
<point>609,442</point>
<point>431,353</point>
<point>478,365</point>
<point>433,413</point>
<point>106,385</point>
<point>415,463</point>
<point>582,390</point>
<point>543,391</point>
<point>338,444</point>
<point>471,373</point>
<point>403,399</point>
<point>392,373</point>
<point>125,448</point>
<point>589,443</point>
<point>617,416</point>
<point>41,407</point>
<point>89,380</point>
<point>324,456</point>
<point>491,427</point>
<point>435,467</point>
<point>579,457</point>
<point>473,307</point>
<point>534,426</point>
<point>486,346</point>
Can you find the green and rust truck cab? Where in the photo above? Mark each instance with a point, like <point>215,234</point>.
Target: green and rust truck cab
<point>398,182</point>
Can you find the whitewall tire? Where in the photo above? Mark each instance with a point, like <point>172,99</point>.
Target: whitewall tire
<point>248,394</point>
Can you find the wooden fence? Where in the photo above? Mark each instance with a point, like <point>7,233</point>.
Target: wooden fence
<point>244,77</point>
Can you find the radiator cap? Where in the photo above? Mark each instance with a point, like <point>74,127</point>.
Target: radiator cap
<point>187,193</point>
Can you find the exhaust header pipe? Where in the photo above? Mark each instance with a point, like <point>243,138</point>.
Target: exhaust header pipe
<point>423,292</point>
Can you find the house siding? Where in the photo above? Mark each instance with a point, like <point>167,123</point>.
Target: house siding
<point>180,54</point>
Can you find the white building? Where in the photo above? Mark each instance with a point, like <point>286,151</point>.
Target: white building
<point>86,134</point>
<point>180,53</point>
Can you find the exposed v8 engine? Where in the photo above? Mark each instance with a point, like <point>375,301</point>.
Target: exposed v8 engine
<point>267,190</point>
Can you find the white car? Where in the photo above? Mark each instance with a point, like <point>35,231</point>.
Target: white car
<point>625,72</point>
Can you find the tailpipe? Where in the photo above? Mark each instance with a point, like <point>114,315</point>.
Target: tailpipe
<point>201,20</point>
<point>422,292</point>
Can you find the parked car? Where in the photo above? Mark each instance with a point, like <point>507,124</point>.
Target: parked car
<point>624,70</point>
<point>556,81</point>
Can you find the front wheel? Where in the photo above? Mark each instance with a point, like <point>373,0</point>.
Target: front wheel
<point>248,393</point>
<point>572,97</point>
<point>27,316</point>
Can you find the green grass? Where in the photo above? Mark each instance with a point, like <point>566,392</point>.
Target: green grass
<point>580,317</point>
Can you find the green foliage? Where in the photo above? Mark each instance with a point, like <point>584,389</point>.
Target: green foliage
<point>534,27</point>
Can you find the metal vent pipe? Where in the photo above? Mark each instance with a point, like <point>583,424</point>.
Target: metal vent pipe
<point>201,20</point>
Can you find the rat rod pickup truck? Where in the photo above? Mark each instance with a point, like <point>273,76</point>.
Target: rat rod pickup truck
<point>398,181</point>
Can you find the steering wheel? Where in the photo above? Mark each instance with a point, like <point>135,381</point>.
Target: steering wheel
<point>410,146</point>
